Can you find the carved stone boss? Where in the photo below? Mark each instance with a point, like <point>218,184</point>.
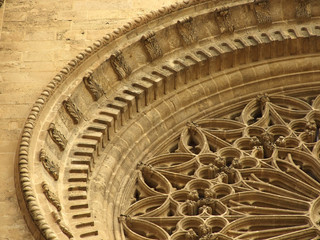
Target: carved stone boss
<point>93,87</point>
<point>187,31</point>
<point>57,137</point>
<point>49,165</point>
<point>262,11</point>
<point>72,110</point>
<point>119,65</point>
<point>152,45</point>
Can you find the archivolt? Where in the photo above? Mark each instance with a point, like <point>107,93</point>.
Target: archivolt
<point>107,109</point>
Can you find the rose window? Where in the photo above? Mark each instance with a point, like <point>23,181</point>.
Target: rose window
<point>249,173</point>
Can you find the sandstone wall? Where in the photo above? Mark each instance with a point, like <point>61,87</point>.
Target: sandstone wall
<point>37,38</point>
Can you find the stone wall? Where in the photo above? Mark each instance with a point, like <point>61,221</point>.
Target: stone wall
<point>37,38</point>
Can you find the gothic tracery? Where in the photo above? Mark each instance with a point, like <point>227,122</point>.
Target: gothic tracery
<point>247,175</point>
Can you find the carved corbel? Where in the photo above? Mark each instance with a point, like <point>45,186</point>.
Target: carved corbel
<point>223,19</point>
<point>152,45</point>
<point>119,65</point>
<point>52,198</point>
<point>50,166</point>
<point>57,137</point>
<point>187,31</point>
<point>72,110</point>
<point>63,227</point>
<point>303,9</point>
<point>262,11</point>
<point>93,87</point>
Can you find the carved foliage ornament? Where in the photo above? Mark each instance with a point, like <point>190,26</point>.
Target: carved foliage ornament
<point>152,46</point>
<point>57,137</point>
<point>51,196</point>
<point>187,30</point>
<point>63,227</point>
<point>303,9</point>
<point>262,11</point>
<point>51,167</point>
<point>72,110</point>
<point>93,87</point>
<point>257,177</point>
<point>119,65</point>
<point>224,21</point>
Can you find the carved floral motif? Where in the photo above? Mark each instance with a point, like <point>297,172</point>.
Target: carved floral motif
<point>262,11</point>
<point>303,9</point>
<point>72,110</point>
<point>63,227</point>
<point>51,196</point>
<point>257,177</point>
<point>152,45</point>
<point>187,31</point>
<point>51,167</point>
<point>119,65</point>
<point>57,137</point>
<point>224,21</point>
<point>93,87</point>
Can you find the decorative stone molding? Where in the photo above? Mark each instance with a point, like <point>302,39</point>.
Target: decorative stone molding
<point>224,21</point>
<point>187,31</point>
<point>153,96</point>
<point>51,196</point>
<point>262,11</point>
<point>119,65</point>
<point>51,167</point>
<point>1,3</point>
<point>72,110</point>
<point>152,46</point>
<point>57,137</point>
<point>93,87</point>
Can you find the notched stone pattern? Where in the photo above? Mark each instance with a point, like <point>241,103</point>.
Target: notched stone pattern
<point>262,11</point>
<point>63,227</point>
<point>119,65</point>
<point>72,110</point>
<point>223,18</point>
<point>303,9</point>
<point>57,137</point>
<point>93,87</point>
<point>152,45</point>
<point>187,30</point>
<point>49,165</point>
<point>51,196</point>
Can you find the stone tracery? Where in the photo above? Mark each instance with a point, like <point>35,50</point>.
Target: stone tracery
<point>256,177</point>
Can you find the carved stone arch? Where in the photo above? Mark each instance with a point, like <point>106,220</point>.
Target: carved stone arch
<point>235,83</point>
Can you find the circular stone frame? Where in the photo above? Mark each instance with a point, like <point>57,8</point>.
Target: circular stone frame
<point>115,102</point>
